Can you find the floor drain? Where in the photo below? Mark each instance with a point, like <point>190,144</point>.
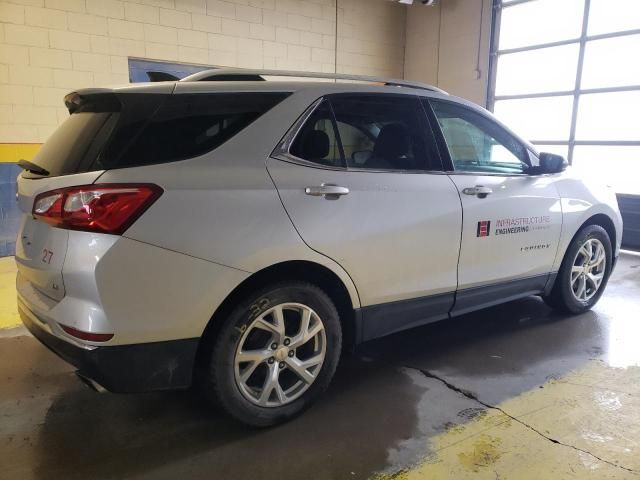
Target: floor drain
<point>470,413</point>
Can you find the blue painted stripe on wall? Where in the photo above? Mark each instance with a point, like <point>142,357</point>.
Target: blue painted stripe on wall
<point>9,213</point>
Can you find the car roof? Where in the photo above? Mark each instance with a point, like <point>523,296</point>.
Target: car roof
<point>303,82</point>
<point>237,79</point>
<point>242,86</point>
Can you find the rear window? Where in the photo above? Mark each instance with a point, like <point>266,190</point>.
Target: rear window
<point>149,129</point>
<point>75,144</point>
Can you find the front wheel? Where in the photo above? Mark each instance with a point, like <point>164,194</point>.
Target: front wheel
<point>584,271</point>
<point>275,354</point>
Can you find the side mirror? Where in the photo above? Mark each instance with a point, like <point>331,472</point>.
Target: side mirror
<point>552,163</point>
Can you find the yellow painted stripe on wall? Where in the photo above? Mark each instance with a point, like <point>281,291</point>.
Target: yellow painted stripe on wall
<point>12,152</point>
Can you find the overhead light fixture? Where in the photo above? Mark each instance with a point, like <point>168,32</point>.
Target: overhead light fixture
<point>429,3</point>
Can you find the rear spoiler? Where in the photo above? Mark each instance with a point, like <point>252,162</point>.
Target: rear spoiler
<point>99,101</point>
<point>79,98</point>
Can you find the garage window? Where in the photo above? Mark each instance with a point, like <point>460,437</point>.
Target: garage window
<point>564,75</point>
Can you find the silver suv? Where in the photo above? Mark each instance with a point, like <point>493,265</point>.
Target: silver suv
<point>239,232</point>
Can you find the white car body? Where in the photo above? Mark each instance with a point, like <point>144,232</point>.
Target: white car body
<point>402,248</point>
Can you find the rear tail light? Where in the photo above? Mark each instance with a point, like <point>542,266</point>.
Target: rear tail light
<point>107,208</point>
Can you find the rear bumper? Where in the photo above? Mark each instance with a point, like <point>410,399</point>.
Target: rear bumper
<point>133,368</point>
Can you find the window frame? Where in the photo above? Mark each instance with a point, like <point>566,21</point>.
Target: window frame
<point>282,151</point>
<point>444,148</point>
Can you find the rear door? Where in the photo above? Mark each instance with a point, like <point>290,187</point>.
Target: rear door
<point>512,220</point>
<point>365,187</point>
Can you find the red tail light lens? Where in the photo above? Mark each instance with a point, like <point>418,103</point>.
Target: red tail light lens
<point>92,337</point>
<point>104,208</point>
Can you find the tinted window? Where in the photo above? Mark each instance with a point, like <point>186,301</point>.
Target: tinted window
<point>384,132</point>
<point>189,125</point>
<point>74,144</point>
<point>128,130</point>
<point>355,140</point>
<point>476,144</point>
<point>316,141</point>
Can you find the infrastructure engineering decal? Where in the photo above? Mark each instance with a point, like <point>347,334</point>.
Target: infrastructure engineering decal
<point>513,225</point>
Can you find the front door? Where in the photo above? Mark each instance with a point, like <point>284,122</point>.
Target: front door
<point>512,220</point>
<point>364,186</point>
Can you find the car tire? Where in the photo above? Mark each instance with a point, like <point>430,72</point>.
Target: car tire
<point>567,295</point>
<point>253,396</point>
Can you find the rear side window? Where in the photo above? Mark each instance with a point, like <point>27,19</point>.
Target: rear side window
<point>117,131</point>
<point>376,132</point>
<point>383,132</point>
<point>189,125</point>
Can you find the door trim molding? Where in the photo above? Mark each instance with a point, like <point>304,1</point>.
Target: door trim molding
<point>375,321</point>
<point>378,320</point>
<point>476,298</point>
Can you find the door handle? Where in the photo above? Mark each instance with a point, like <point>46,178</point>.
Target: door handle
<point>479,190</point>
<point>328,191</point>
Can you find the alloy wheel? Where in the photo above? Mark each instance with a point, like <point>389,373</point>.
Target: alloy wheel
<point>280,355</point>
<point>588,270</point>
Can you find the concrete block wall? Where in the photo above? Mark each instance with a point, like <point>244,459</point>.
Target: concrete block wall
<point>49,47</point>
<point>448,46</point>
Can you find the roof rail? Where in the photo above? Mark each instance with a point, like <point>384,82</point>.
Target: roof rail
<point>242,75</point>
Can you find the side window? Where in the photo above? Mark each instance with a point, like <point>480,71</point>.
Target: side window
<point>316,141</point>
<point>184,126</point>
<point>476,144</point>
<point>384,132</point>
<point>354,140</point>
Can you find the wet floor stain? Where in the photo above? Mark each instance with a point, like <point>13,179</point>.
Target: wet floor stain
<point>566,390</point>
<point>53,427</point>
<point>584,424</point>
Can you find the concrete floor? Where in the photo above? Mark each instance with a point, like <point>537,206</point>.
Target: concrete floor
<point>516,391</point>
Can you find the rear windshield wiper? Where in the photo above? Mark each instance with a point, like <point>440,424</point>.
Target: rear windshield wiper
<point>32,167</point>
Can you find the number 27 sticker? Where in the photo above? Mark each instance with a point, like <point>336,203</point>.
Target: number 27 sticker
<point>46,256</point>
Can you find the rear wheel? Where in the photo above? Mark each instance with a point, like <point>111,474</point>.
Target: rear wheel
<point>275,354</point>
<point>584,271</point>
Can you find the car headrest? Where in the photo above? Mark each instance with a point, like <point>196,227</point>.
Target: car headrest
<point>315,145</point>
<point>392,142</point>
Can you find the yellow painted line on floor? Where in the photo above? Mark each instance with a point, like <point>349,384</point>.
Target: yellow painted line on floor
<point>12,152</point>
<point>594,413</point>
<point>8,302</point>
